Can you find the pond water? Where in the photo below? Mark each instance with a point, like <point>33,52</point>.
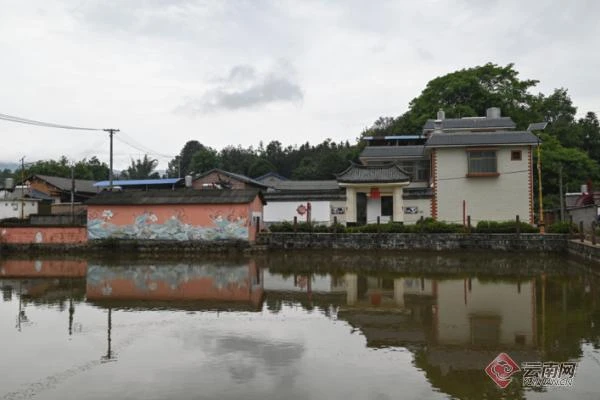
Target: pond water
<point>296,326</point>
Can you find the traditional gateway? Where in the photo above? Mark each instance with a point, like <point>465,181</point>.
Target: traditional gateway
<point>477,166</point>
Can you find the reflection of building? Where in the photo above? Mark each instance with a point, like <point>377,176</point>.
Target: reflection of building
<point>455,327</point>
<point>325,283</point>
<point>176,286</point>
<point>43,268</point>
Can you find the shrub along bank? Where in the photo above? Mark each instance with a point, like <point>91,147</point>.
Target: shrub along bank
<point>425,226</point>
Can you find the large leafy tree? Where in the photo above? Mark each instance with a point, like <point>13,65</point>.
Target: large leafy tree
<point>141,169</point>
<point>465,93</point>
<point>204,160</point>
<point>181,164</point>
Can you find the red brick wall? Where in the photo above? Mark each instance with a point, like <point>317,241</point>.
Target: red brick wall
<point>43,235</point>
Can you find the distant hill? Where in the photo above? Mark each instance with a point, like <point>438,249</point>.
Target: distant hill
<point>10,165</point>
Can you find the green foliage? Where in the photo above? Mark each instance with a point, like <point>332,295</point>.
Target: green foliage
<point>260,167</point>
<point>90,169</point>
<point>284,226</point>
<point>464,93</point>
<point>204,160</point>
<point>562,227</point>
<point>141,169</point>
<point>504,227</point>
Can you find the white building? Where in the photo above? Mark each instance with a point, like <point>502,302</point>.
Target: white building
<point>478,167</point>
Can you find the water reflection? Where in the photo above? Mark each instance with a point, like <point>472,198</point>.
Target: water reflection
<point>453,325</point>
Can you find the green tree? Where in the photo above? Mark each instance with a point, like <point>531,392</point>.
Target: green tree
<point>237,159</point>
<point>203,160</point>
<point>464,93</point>
<point>141,169</point>
<point>260,167</point>
<point>577,168</point>
<point>184,160</point>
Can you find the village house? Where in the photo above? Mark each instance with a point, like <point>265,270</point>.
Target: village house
<point>476,166</point>
<point>60,188</point>
<point>456,167</point>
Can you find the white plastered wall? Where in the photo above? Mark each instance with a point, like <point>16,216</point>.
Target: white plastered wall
<point>498,198</point>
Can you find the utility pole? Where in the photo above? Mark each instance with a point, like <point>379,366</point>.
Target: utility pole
<point>560,191</point>
<point>110,172</point>
<point>23,187</point>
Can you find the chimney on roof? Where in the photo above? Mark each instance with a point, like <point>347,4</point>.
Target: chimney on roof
<point>437,126</point>
<point>492,112</point>
<point>441,115</point>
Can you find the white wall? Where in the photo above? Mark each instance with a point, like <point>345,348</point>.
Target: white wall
<point>12,208</point>
<point>278,211</point>
<point>456,306</point>
<point>498,198</point>
<point>423,207</point>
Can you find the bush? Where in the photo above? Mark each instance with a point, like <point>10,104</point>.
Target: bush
<point>440,227</point>
<point>562,227</point>
<point>504,227</point>
<point>281,227</point>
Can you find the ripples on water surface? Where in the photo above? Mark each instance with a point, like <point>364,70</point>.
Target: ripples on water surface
<point>294,326</point>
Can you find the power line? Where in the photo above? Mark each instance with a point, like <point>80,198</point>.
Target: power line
<point>12,118</point>
<point>143,149</point>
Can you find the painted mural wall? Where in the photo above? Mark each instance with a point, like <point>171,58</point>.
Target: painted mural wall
<point>172,222</point>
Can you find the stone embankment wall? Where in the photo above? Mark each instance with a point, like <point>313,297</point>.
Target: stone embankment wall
<point>413,241</point>
<point>586,250</point>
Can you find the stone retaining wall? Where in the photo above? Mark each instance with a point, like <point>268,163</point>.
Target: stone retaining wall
<point>415,241</point>
<point>584,250</point>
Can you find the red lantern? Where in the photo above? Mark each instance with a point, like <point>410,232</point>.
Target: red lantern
<point>375,194</point>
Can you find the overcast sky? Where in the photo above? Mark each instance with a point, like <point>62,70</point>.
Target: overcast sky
<point>238,72</point>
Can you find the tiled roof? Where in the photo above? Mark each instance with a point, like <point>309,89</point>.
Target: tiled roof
<point>392,152</point>
<point>306,195</point>
<point>480,138</point>
<point>239,177</point>
<point>140,182</point>
<point>81,185</point>
<point>272,175</point>
<point>183,196</point>
<point>305,185</point>
<point>472,123</point>
<point>376,174</point>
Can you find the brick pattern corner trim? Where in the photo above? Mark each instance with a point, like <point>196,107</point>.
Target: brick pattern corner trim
<point>530,166</point>
<point>434,198</point>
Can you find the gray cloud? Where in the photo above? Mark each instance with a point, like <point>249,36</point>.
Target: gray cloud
<point>244,88</point>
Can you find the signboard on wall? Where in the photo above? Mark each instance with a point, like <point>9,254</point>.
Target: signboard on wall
<point>411,210</point>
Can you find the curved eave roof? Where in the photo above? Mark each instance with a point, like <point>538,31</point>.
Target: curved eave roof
<point>390,173</point>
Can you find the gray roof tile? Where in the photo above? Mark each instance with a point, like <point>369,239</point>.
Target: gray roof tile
<point>81,185</point>
<point>392,152</point>
<point>305,185</point>
<point>184,196</point>
<point>480,138</point>
<point>239,177</point>
<point>366,174</point>
<point>472,123</point>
